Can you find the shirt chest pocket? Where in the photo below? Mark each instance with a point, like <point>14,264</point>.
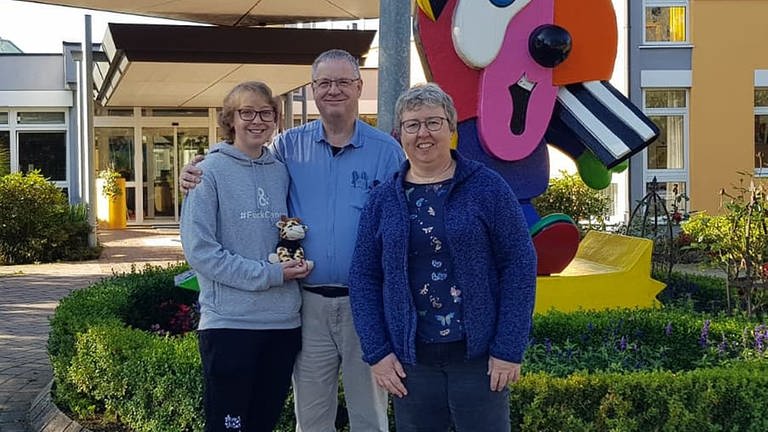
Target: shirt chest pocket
<point>358,198</point>
<point>360,184</point>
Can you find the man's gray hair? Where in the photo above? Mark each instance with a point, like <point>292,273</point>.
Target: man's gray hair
<point>429,94</point>
<point>336,55</point>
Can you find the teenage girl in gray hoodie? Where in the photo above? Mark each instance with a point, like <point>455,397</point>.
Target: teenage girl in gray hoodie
<point>249,308</point>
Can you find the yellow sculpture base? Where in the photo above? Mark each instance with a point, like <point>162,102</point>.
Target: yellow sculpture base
<point>610,271</point>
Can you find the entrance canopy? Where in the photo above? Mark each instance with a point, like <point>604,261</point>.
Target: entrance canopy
<point>236,12</point>
<point>194,66</point>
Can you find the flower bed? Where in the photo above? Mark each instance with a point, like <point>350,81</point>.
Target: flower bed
<point>120,352</point>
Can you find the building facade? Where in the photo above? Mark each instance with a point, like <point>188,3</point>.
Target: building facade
<point>41,114</point>
<point>698,69</point>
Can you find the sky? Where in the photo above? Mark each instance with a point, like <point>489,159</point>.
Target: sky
<point>38,28</point>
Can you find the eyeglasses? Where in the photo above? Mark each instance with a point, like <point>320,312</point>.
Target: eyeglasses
<point>342,83</point>
<point>433,124</point>
<point>249,115</point>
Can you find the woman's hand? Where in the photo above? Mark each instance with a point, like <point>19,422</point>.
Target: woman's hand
<point>190,174</point>
<point>502,373</point>
<point>388,373</point>
<point>294,269</point>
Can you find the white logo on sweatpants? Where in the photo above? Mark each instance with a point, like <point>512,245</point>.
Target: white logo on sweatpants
<point>232,422</point>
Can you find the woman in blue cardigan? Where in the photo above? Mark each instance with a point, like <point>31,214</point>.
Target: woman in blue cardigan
<point>443,279</point>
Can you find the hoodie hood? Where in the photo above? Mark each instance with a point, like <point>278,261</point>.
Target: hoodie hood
<point>230,150</point>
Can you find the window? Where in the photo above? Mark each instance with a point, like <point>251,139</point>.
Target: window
<point>667,108</point>
<point>761,130</point>
<point>666,159</point>
<point>612,192</point>
<point>674,194</point>
<point>3,118</point>
<point>174,112</point>
<point>5,153</point>
<point>46,151</point>
<point>30,118</point>
<point>666,21</point>
<point>113,112</point>
<point>114,149</point>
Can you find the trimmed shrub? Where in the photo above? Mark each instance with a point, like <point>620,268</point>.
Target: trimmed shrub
<point>720,399</point>
<point>701,293</point>
<point>619,370</point>
<point>37,224</point>
<point>643,339</point>
<point>103,365</point>
<point>568,194</point>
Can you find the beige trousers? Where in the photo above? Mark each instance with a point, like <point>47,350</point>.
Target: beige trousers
<point>329,345</point>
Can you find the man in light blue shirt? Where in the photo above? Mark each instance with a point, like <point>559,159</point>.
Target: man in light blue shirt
<point>333,164</point>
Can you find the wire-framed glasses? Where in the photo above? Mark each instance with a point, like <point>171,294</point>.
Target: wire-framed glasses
<point>433,124</point>
<point>249,115</point>
<point>342,83</point>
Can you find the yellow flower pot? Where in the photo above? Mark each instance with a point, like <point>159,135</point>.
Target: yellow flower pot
<point>112,213</point>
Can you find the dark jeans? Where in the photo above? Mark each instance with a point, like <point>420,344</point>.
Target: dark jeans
<point>445,389</point>
<point>246,376</point>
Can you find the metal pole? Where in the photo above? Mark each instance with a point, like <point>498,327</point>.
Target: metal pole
<point>87,125</point>
<point>175,180</point>
<point>288,111</point>
<point>82,175</point>
<point>394,58</point>
<point>304,105</point>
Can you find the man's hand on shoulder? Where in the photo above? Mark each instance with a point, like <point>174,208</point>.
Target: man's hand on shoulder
<point>190,174</point>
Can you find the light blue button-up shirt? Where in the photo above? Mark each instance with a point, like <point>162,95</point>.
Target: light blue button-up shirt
<point>328,191</point>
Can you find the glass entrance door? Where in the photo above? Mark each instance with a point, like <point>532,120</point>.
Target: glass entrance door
<point>164,152</point>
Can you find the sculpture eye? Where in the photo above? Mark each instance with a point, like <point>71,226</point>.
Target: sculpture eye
<point>479,27</point>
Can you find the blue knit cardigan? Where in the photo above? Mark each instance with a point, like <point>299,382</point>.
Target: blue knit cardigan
<point>489,247</point>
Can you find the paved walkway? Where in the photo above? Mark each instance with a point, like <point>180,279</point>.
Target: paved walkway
<point>29,295</point>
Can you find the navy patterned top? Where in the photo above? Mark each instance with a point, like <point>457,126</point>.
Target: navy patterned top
<point>430,274</point>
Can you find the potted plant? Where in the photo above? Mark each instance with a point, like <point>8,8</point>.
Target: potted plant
<point>111,208</point>
<point>111,187</point>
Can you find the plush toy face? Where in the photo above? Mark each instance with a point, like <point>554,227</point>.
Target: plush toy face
<point>291,228</point>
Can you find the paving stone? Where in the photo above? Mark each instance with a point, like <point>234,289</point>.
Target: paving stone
<point>29,295</point>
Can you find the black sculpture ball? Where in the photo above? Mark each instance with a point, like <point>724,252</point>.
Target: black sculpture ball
<point>549,45</point>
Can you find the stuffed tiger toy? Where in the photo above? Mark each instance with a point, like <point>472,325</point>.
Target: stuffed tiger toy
<point>289,246</point>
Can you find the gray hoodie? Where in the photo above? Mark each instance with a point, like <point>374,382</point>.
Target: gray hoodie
<point>228,230</point>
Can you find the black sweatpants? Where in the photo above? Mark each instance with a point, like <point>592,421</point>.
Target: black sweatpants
<point>246,376</point>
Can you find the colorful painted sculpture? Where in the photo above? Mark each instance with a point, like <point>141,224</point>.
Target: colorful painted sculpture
<point>524,73</point>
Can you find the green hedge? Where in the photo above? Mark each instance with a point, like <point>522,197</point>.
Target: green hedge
<point>37,224</point>
<point>719,399</point>
<point>701,293</point>
<point>670,339</point>
<point>105,366</point>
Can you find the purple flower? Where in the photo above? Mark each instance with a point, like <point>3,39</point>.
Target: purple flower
<point>623,343</point>
<point>668,329</point>
<point>722,346</point>
<point>704,338</point>
<point>761,336</point>
<point>548,345</point>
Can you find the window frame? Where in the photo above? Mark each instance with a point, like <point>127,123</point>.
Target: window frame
<point>667,3</point>
<point>679,175</point>
<point>58,182</point>
<point>759,110</point>
<point>14,128</point>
